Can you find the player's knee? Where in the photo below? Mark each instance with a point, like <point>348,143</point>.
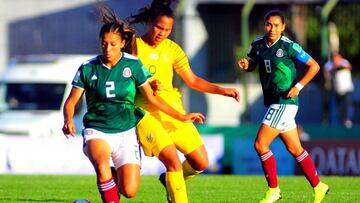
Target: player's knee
<point>129,195</point>
<point>129,192</point>
<point>200,165</point>
<point>203,165</point>
<point>260,148</point>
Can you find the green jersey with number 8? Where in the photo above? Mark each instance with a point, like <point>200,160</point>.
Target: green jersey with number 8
<point>110,93</point>
<point>277,68</point>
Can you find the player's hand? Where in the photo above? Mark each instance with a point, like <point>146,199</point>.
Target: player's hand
<point>156,86</point>
<point>293,92</point>
<point>231,92</point>
<point>243,64</point>
<point>194,117</point>
<point>69,129</point>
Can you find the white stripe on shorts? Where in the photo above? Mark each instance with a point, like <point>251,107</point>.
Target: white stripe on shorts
<point>277,116</point>
<point>281,116</point>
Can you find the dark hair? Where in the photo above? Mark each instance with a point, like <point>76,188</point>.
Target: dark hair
<point>112,23</point>
<point>274,13</point>
<point>157,8</point>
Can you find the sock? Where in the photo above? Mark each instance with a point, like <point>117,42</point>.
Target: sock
<point>268,164</point>
<point>307,166</point>
<point>189,172</point>
<point>108,191</point>
<point>176,187</point>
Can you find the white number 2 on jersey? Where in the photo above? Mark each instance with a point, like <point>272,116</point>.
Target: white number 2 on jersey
<point>110,85</point>
<point>267,66</point>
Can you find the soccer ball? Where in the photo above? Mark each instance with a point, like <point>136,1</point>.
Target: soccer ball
<point>82,201</point>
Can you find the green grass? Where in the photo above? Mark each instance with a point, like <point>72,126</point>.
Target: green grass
<point>201,189</point>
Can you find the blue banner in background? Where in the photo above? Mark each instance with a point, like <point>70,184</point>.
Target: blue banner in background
<point>247,162</point>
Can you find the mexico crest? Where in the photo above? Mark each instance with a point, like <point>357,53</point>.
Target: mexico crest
<point>279,53</point>
<point>127,72</point>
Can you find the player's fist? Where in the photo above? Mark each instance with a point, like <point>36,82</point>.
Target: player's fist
<point>194,117</point>
<point>156,86</point>
<point>243,63</point>
<point>69,129</point>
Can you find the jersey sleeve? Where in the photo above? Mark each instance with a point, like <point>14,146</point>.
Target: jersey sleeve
<point>141,74</point>
<point>298,53</point>
<point>252,52</point>
<point>181,61</point>
<point>253,49</point>
<point>78,80</point>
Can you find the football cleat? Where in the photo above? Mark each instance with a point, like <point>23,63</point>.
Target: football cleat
<point>320,191</point>
<point>162,179</point>
<point>272,195</point>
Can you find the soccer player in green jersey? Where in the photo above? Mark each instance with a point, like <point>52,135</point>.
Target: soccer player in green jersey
<point>275,55</point>
<point>109,82</point>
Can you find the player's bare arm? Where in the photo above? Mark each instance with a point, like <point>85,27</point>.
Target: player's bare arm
<point>69,127</point>
<point>313,69</point>
<point>159,103</point>
<point>201,85</point>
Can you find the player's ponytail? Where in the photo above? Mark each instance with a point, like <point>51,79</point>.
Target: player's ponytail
<point>112,23</point>
<point>130,38</point>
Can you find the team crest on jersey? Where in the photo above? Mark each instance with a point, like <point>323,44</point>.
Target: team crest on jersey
<point>149,138</point>
<point>279,53</point>
<point>127,72</point>
<point>152,69</point>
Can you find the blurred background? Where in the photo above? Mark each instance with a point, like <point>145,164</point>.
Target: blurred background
<point>43,42</point>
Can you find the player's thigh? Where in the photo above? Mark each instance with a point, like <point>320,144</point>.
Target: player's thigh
<point>264,138</point>
<point>292,142</point>
<point>96,147</point>
<point>152,135</point>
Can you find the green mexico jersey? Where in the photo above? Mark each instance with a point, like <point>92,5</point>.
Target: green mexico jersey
<point>276,68</point>
<point>110,93</point>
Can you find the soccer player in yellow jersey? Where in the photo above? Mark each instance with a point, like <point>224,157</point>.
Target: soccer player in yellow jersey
<point>160,135</point>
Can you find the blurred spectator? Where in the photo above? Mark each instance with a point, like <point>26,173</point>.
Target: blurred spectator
<point>339,70</point>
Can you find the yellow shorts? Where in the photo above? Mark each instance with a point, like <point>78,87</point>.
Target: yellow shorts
<point>158,130</point>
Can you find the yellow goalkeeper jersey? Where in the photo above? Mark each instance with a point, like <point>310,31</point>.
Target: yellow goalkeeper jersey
<point>161,62</point>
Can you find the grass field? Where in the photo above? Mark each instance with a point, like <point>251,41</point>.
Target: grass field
<point>201,189</point>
